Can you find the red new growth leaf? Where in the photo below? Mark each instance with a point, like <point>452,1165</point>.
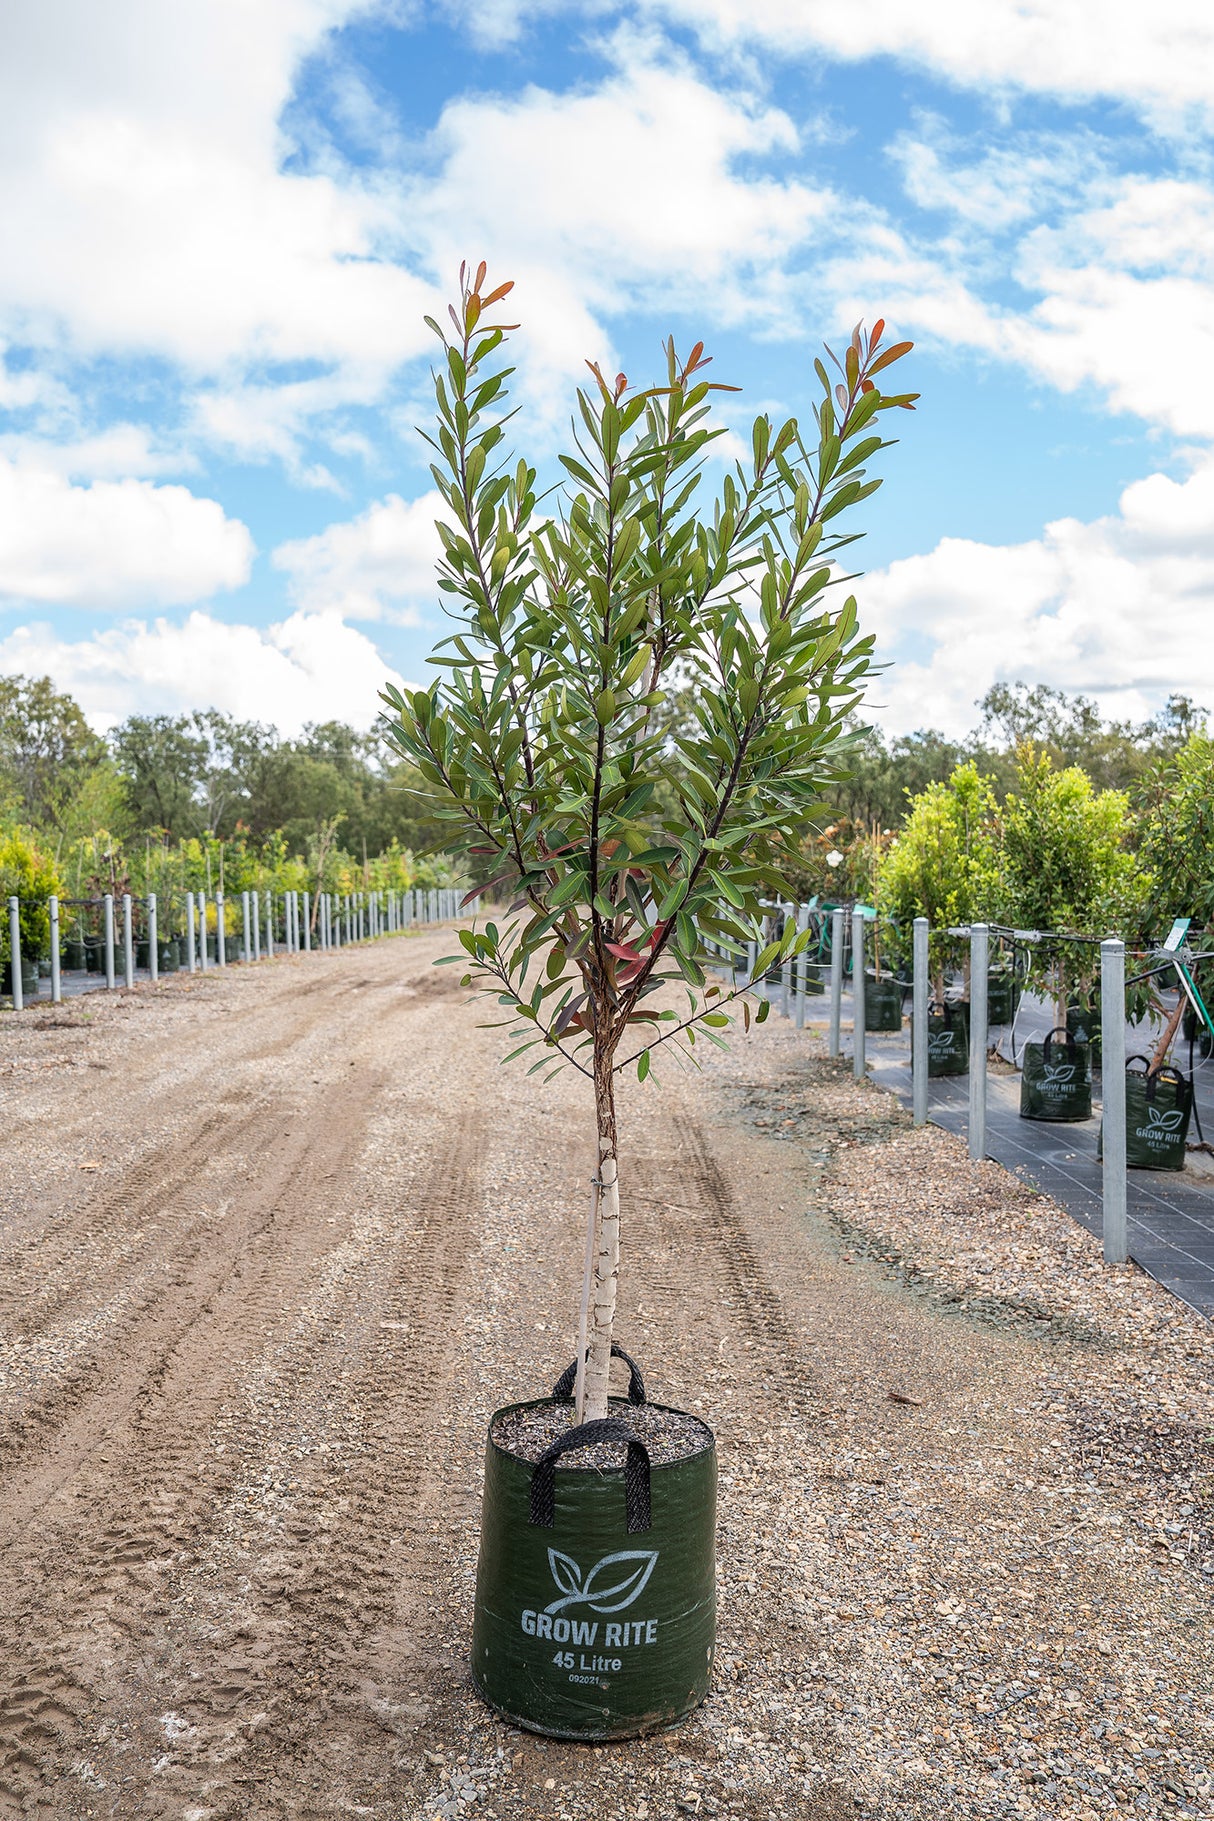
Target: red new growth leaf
<point>480,275</point>
<point>878,332</point>
<point>623,951</point>
<point>501,291</point>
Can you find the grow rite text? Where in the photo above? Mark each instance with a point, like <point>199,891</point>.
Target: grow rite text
<point>585,1631</point>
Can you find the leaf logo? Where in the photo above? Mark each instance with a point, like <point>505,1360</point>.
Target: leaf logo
<point>614,1582</point>
<point>1058,1074</point>
<point>1159,1121</point>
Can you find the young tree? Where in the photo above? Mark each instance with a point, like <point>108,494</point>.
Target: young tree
<point>625,840</point>
<point>944,864</point>
<point>1067,867</point>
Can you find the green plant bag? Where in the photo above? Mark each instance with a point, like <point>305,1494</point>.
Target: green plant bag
<point>1002,996</point>
<point>882,1003</point>
<point>1083,1022</point>
<point>1157,1112</point>
<point>948,1040</point>
<point>595,1608</point>
<point>1056,1079</point>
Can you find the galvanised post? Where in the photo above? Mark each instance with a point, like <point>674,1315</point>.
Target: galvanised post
<point>802,965</point>
<point>220,932</point>
<point>109,942</point>
<point>786,970</point>
<point>189,931</point>
<point>307,922</point>
<point>128,943</point>
<point>246,949</point>
<point>56,982</point>
<point>14,953</point>
<point>857,992</point>
<point>836,978</point>
<point>269,925</point>
<point>919,1002</point>
<point>153,940</point>
<point>979,962</point>
<point>255,923</point>
<point>1112,1092</point>
<point>203,957</point>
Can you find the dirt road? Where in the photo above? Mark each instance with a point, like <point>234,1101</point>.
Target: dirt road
<point>273,1245</point>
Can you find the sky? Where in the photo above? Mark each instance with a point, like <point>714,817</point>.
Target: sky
<point>224,222</point>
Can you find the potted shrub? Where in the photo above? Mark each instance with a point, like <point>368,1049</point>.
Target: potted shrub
<point>624,842</point>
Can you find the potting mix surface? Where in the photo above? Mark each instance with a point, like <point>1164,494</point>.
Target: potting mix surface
<point>276,1243</point>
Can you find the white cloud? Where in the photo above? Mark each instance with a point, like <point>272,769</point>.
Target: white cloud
<point>1128,303</point>
<point>115,544</point>
<point>628,195</point>
<point>143,176</point>
<point>1119,609</point>
<point>1156,59</point>
<point>311,667</point>
<point>995,185</point>
<point>378,565</point>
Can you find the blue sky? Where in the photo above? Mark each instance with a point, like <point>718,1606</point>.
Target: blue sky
<point>224,225</point>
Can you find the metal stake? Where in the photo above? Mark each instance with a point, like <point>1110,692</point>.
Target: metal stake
<point>14,953</point>
<point>153,940</point>
<point>220,932</point>
<point>802,965</point>
<point>189,931</point>
<point>919,1002</point>
<point>858,995</point>
<point>1112,1088</point>
<point>979,962</point>
<point>836,977</point>
<point>203,961</point>
<point>109,942</point>
<point>56,982</point>
<point>307,929</point>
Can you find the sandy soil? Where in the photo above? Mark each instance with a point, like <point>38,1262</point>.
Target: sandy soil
<point>274,1244</point>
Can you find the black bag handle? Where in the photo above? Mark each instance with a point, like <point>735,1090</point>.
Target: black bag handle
<point>1178,1080</point>
<point>1068,1041</point>
<point>636,1472</point>
<point>562,1391</point>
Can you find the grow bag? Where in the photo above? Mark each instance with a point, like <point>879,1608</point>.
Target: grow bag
<point>74,955</point>
<point>1002,997</point>
<point>1083,1022</point>
<point>595,1591</point>
<point>29,979</point>
<point>1056,1079</point>
<point>948,1040</point>
<point>1157,1112</point>
<point>882,1004</point>
<point>168,956</point>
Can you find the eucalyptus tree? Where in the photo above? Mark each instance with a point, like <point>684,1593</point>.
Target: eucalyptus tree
<point>626,841</point>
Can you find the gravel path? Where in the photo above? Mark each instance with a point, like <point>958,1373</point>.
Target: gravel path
<point>273,1244</point>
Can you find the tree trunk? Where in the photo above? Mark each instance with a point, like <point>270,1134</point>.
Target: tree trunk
<point>603,1256</point>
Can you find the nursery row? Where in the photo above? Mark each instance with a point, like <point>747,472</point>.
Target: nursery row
<point>112,937</point>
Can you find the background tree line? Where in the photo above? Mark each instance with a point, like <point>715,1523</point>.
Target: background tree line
<point>1045,815</point>
<point>169,802</point>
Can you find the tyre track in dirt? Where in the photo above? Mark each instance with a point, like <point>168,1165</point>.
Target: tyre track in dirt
<point>147,1507</point>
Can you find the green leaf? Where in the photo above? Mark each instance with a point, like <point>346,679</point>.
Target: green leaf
<point>642,1065</point>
